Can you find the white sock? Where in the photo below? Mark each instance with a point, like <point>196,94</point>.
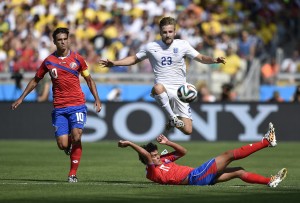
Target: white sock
<point>163,100</point>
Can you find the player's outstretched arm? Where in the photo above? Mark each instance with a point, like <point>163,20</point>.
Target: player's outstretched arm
<point>138,149</point>
<point>130,60</point>
<point>30,86</point>
<point>180,150</point>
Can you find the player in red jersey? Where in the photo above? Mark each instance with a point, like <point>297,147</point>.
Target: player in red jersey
<point>69,113</point>
<point>163,169</point>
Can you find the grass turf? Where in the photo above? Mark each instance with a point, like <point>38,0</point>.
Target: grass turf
<point>36,171</point>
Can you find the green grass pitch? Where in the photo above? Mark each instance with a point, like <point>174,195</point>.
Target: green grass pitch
<point>36,171</point>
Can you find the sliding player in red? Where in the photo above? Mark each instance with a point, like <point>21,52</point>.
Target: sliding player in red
<point>69,114</point>
<point>163,169</point>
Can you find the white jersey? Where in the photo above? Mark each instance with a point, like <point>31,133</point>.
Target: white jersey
<point>168,62</point>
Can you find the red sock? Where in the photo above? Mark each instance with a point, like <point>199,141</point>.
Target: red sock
<point>75,158</point>
<point>246,150</point>
<point>255,178</point>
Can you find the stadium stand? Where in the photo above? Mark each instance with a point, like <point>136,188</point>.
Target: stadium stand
<point>254,31</point>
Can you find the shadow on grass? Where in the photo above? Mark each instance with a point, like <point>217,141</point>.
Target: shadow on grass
<point>122,182</point>
<point>92,182</point>
<point>31,180</point>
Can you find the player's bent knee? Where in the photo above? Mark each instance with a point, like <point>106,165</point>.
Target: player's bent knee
<point>158,89</point>
<point>62,142</point>
<point>229,155</point>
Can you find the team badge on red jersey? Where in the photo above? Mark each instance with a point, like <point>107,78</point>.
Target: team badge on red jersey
<point>73,65</point>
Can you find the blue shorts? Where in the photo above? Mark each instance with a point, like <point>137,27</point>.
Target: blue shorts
<point>66,119</point>
<point>204,174</point>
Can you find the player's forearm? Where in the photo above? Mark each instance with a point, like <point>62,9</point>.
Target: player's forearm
<point>30,86</point>
<point>206,59</point>
<point>128,61</point>
<point>178,148</point>
<point>140,150</point>
<point>93,89</point>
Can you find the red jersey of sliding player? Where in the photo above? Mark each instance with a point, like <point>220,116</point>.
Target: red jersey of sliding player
<point>168,172</point>
<point>67,84</point>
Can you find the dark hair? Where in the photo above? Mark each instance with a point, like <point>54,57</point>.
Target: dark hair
<point>227,87</point>
<point>226,91</point>
<point>167,21</point>
<point>150,147</point>
<point>60,30</point>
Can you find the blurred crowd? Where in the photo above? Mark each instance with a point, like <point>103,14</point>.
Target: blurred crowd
<point>240,30</point>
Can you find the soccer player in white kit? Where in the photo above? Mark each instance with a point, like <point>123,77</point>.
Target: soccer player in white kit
<point>167,58</point>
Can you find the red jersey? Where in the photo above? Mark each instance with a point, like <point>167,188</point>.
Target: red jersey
<point>64,72</point>
<point>168,172</point>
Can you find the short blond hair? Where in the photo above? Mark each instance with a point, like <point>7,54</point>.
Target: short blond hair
<point>167,21</point>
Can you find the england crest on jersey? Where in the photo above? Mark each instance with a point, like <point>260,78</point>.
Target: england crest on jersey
<point>175,50</point>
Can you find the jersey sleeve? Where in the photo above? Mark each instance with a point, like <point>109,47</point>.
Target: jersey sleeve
<point>84,67</point>
<point>142,54</point>
<point>42,70</point>
<point>170,156</point>
<point>190,51</point>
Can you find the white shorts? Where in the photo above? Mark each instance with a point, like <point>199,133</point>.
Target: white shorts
<point>179,108</point>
